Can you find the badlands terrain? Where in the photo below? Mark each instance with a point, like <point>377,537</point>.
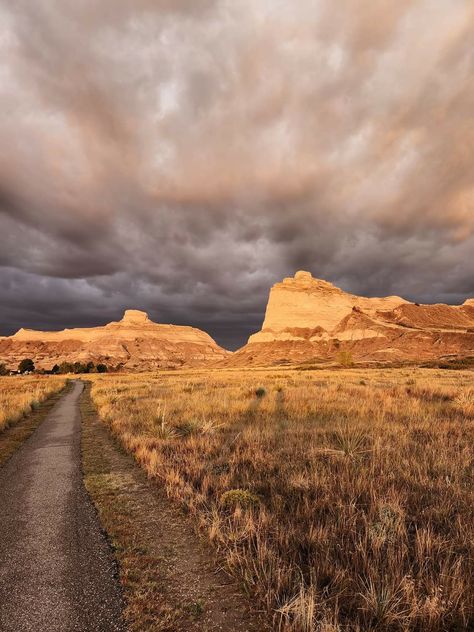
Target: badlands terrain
<point>307,320</point>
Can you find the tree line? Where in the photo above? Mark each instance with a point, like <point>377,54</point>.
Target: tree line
<point>28,366</point>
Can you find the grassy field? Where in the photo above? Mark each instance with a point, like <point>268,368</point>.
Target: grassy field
<point>21,395</point>
<point>342,500</point>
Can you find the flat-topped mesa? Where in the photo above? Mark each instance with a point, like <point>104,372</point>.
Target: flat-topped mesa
<point>135,341</point>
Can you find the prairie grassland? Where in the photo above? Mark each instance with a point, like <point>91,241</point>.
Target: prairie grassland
<point>21,395</point>
<point>342,500</point>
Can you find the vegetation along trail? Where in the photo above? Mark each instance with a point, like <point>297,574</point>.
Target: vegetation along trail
<point>57,572</point>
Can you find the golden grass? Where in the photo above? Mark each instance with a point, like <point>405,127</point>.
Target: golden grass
<point>20,395</point>
<point>351,504</point>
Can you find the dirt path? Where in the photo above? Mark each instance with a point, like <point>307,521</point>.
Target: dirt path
<point>56,570</point>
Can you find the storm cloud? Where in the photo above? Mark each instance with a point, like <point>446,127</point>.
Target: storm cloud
<point>180,156</point>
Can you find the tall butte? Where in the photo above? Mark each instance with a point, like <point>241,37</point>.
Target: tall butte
<point>134,343</point>
<point>309,319</point>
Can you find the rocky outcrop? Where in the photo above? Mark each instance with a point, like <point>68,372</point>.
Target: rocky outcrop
<point>135,342</point>
<point>308,319</point>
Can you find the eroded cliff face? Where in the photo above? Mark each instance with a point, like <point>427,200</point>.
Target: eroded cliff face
<point>310,319</point>
<point>135,342</point>
<point>302,303</point>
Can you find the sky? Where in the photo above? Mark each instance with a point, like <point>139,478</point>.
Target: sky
<point>181,156</point>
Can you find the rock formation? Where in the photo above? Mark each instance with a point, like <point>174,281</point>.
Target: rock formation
<point>307,320</point>
<point>312,320</point>
<point>135,342</point>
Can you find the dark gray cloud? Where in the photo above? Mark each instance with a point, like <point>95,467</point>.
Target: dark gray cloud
<point>181,156</point>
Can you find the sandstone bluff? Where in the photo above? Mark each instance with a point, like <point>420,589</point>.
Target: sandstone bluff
<point>308,319</point>
<point>134,343</point>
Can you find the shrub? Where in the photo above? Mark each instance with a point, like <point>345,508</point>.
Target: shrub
<point>25,365</point>
<point>66,367</point>
<point>260,392</point>
<point>239,497</point>
<point>102,368</point>
<point>79,367</point>
<point>3,369</point>
<point>345,359</point>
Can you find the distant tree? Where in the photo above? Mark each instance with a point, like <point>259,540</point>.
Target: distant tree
<point>3,369</point>
<point>90,366</point>
<point>66,367</point>
<point>25,365</point>
<point>80,367</point>
<point>55,369</point>
<point>102,368</point>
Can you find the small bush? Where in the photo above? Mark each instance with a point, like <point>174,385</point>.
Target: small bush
<point>345,359</point>
<point>260,392</point>
<point>239,498</point>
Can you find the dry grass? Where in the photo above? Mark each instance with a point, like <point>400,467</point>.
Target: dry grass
<point>21,395</point>
<point>168,576</point>
<point>353,501</point>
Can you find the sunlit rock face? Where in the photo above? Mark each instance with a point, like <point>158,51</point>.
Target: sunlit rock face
<point>134,317</point>
<point>134,342</point>
<point>303,302</point>
<point>308,318</point>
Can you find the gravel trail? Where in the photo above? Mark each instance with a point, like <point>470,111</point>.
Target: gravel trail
<point>57,573</point>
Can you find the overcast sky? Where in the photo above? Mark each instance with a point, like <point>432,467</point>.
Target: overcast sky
<point>182,156</point>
